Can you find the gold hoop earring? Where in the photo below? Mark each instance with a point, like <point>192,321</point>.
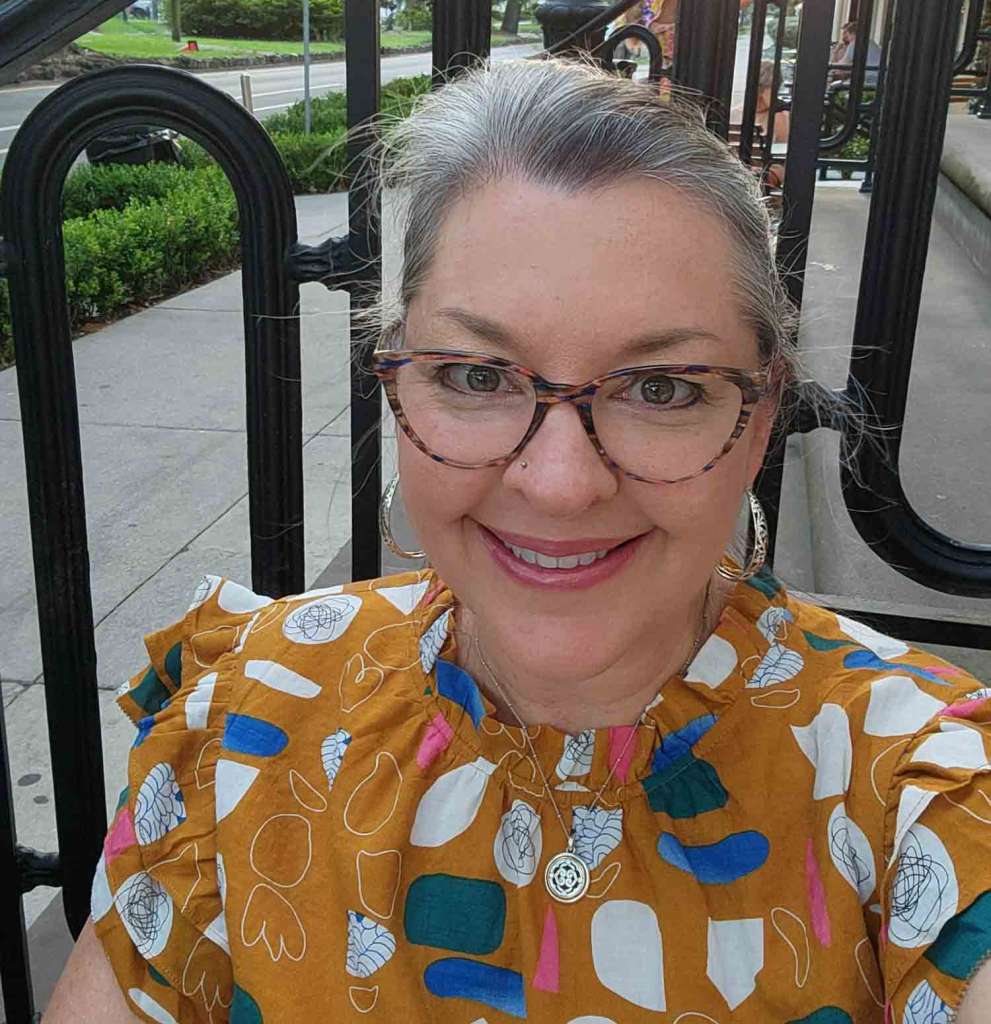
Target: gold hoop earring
<point>758,556</point>
<point>385,523</point>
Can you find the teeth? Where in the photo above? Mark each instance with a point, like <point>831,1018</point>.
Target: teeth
<point>550,562</point>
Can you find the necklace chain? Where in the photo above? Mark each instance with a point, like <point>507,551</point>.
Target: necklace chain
<point>569,834</point>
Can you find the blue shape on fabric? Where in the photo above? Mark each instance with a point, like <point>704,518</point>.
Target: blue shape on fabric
<point>731,858</point>
<point>680,742</point>
<point>144,727</point>
<point>498,987</point>
<point>868,659</point>
<point>456,685</point>
<point>247,735</point>
<point>964,941</point>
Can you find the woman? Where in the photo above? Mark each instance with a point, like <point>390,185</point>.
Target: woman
<point>587,767</point>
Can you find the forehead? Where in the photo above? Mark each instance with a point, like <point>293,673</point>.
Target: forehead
<point>572,277</point>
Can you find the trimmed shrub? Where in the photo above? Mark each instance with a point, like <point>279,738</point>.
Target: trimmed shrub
<point>262,19</point>
<point>316,163</point>
<point>113,186</point>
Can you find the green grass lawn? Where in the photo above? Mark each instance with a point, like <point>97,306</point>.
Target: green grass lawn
<point>142,39</point>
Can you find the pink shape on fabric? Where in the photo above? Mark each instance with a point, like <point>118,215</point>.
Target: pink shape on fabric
<point>817,897</point>
<point>621,749</point>
<point>963,708</point>
<point>121,836</point>
<point>431,595</point>
<point>942,670</point>
<point>435,741</point>
<point>547,977</point>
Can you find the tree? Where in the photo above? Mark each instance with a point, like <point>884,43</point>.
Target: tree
<point>175,19</point>
<point>511,17</point>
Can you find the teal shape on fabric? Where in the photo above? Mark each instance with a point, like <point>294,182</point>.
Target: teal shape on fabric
<point>497,987</point>
<point>244,1010</point>
<point>868,659</point>
<point>825,1015</point>
<point>173,664</point>
<point>456,685</point>
<point>731,858</point>
<point>964,941</point>
<point>123,798</point>
<point>158,977</point>
<point>685,788</point>
<point>464,915</point>
<point>825,643</point>
<point>680,742</point>
<point>766,582</point>
<point>151,693</point>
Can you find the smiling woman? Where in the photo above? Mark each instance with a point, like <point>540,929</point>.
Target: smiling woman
<point>587,765</point>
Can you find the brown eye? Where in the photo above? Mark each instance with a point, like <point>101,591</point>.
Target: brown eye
<point>657,390</point>
<point>482,378</point>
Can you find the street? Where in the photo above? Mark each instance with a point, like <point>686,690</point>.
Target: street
<point>274,88</point>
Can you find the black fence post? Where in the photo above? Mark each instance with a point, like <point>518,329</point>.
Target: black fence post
<point>561,19</point>
<point>462,35</point>
<point>705,54</point>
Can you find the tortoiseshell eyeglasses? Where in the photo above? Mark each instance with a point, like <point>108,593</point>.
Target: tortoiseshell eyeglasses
<point>658,424</point>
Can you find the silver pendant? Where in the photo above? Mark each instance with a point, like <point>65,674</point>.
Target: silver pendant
<point>566,877</point>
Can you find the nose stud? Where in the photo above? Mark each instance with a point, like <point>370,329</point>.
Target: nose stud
<point>524,464</point>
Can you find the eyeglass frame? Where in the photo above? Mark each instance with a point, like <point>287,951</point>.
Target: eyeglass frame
<point>752,384</point>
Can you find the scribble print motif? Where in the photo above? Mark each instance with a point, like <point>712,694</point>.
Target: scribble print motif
<point>146,911</point>
<point>777,666</point>
<point>598,832</point>
<point>773,624</point>
<point>518,844</point>
<point>321,621</point>
<point>332,752</point>
<point>159,807</point>
<point>432,641</point>
<point>925,892</point>
<point>851,853</point>
<point>370,945</point>
<point>925,1007</point>
<point>577,756</point>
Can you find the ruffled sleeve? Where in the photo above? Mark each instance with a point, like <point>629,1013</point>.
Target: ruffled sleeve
<point>936,894</point>
<point>157,901</point>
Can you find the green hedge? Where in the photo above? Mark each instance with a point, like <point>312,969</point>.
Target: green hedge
<point>262,19</point>
<point>112,186</point>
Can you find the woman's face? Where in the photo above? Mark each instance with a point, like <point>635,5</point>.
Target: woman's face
<point>573,287</point>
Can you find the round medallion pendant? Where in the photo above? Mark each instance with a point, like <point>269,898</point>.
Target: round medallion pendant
<point>566,877</point>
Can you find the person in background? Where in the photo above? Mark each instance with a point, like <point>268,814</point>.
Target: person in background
<point>848,40</point>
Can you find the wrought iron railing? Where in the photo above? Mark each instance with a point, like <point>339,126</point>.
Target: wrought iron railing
<point>922,35</point>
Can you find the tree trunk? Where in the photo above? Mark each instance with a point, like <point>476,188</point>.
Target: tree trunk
<point>175,18</point>
<point>511,17</point>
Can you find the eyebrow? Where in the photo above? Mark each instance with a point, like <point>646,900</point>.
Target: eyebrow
<point>642,344</point>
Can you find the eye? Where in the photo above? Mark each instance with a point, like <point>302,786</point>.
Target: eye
<point>474,379</point>
<point>660,390</point>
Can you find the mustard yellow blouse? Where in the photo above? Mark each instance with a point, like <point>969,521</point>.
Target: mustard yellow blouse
<point>325,822</point>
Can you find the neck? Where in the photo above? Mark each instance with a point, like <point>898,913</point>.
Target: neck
<point>615,696</point>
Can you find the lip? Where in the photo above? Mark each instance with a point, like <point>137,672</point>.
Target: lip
<point>580,578</point>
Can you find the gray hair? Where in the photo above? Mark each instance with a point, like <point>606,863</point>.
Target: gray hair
<point>573,127</point>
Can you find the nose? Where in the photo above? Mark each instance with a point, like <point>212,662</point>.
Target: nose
<point>564,474</point>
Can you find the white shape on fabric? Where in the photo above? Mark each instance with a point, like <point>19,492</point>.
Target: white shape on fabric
<point>198,702</point>
<point>319,592</point>
<point>449,806</point>
<point>576,758</point>
<point>216,931</point>
<point>885,647</point>
<point>897,707</point>
<point>433,640</point>
<point>627,953</point>
<point>598,832</point>
<point>773,623</point>
<point>955,746</point>
<point>370,945</point>
<point>204,588</point>
<point>221,879</point>
<point>159,806</point>
<point>150,1007</point>
<point>570,786</point>
<point>924,1006</point>
<point>593,1019</point>
<point>924,893</point>
<point>518,844</point>
<point>713,663</point>
<point>232,781</point>
<point>332,752</point>
<point>979,694</point>
<point>851,852</point>
<point>825,741</point>
<point>736,957</point>
<point>278,677</point>
<point>101,899</point>
<point>321,621</point>
<point>777,666</point>
<point>912,802</point>
<point>145,909</point>
<point>236,599</point>
<point>404,598</point>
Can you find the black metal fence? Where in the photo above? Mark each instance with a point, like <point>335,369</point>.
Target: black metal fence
<point>907,132</point>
